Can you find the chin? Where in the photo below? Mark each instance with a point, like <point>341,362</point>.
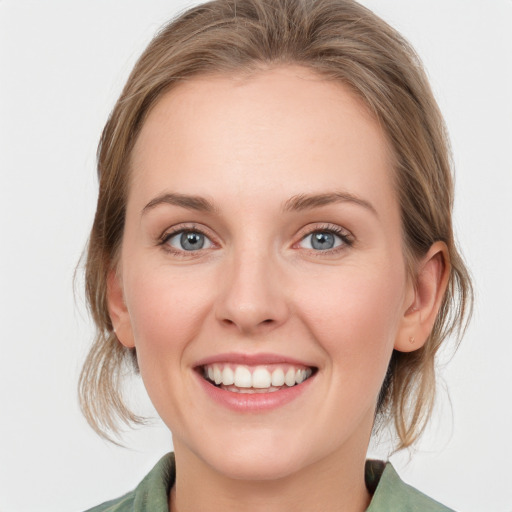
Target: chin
<point>267,468</point>
<point>257,460</point>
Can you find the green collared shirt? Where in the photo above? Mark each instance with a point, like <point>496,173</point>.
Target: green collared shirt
<point>390,494</point>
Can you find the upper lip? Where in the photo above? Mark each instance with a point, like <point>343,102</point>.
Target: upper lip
<point>251,359</point>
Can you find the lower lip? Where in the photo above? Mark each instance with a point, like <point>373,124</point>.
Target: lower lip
<point>254,402</point>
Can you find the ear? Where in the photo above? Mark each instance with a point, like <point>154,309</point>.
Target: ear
<point>424,299</point>
<point>118,311</point>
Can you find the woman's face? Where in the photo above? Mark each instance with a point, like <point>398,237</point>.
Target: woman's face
<point>262,244</point>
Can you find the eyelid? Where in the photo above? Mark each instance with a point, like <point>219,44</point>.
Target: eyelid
<point>344,234</point>
<point>170,240</point>
<point>173,231</point>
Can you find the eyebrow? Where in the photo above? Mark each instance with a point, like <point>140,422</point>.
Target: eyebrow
<point>196,203</point>
<point>302,202</point>
<point>298,202</point>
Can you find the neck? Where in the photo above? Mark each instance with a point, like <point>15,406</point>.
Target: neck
<point>336,481</point>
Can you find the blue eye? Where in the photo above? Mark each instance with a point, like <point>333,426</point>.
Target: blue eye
<point>189,241</point>
<point>321,241</point>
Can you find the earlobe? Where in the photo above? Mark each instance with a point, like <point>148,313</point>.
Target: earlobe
<point>118,311</point>
<point>429,288</point>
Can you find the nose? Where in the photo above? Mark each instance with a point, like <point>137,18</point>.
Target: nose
<point>252,297</point>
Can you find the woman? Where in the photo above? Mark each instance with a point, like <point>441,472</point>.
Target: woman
<point>273,251</point>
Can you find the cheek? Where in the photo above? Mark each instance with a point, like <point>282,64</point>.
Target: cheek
<point>166,310</point>
<point>355,317</point>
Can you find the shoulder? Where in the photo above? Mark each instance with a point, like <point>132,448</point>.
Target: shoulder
<point>122,504</point>
<point>151,495</point>
<point>392,494</point>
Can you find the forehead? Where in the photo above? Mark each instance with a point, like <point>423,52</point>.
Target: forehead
<point>284,130</point>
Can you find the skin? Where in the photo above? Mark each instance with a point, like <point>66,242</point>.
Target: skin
<point>250,145</point>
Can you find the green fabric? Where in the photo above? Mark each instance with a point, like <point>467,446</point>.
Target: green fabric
<point>393,495</point>
<point>390,494</point>
<point>151,495</point>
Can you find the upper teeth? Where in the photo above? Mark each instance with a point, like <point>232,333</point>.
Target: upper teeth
<point>256,377</point>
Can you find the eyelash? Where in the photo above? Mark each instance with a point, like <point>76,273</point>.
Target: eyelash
<point>346,238</point>
<point>164,239</point>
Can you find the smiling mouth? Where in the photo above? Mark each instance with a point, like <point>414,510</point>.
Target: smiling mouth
<point>255,379</point>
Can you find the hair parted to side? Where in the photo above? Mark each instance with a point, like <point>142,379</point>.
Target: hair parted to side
<point>340,40</point>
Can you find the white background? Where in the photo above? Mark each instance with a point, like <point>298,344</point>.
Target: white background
<point>62,65</point>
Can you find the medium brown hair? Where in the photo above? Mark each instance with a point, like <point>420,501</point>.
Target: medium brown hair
<point>340,40</point>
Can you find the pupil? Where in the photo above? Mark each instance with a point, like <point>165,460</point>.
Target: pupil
<point>322,241</point>
<point>192,241</point>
